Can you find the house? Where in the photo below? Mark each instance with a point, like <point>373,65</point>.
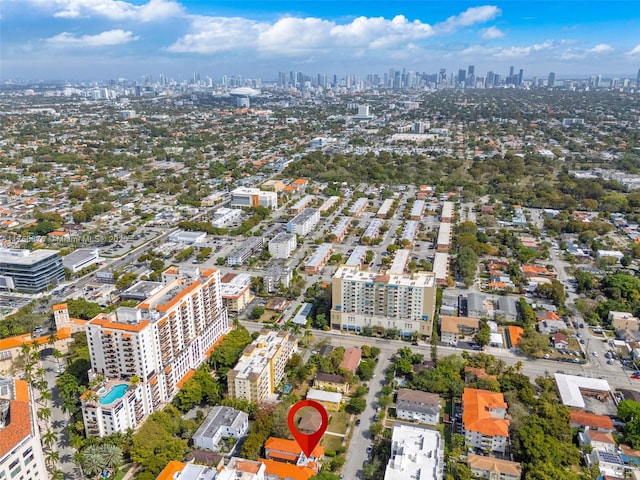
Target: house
<point>483,419</point>
<point>472,374</point>
<point>548,327</point>
<point>329,400</point>
<point>592,421</point>
<point>418,406</point>
<point>597,440</point>
<point>221,422</point>
<point>288,451</point>
<point>507,308</point>
<point>493,468</point>
<point>623,321</point>
<point>351,360</point>
<point>560,340</point>
<point>476,305</point>
<point>275,470</point>
<point>455,328</point>
<point>328,381</point>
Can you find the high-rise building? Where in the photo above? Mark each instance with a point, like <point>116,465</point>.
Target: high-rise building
<point>30,271</point>
<point>551,80</point>
<point>638,79</point>
<point>366,300</point>
<point>261,367</point>
<point>520,75</point>
<point>462,75</point>
<point>146,353</point>
<point>21,455</point>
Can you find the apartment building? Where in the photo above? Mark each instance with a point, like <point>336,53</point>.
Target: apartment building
<point>283,245</point>
<point>453,329</point>
<point>245,250</point>
<point>385,208</point>
<point>253,197</point>
<point>416,453</point>
<point>417,210</point>
<point>494,468</point>
<point>21,455</point>
<point>304,223</point>
<point>236,292</point>
<point>340,230</point>
<point>30,271</point>
<point>329,204</point>
<point>146,353</point>
<point>358,207</point>
<point>261,367</point>
<point>483,420</point>
<point>316,262</point>
<point>235,469</point>
<point>418,406</point>
<point>364,299</point>
<point>301,204</point>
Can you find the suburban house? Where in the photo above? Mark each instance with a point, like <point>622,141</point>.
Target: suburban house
<point>222,422</point>
<point>329,400</point>
<point>329,381</point>
<point>494,468</point>
<point>560,340</point>
<point>483,420</point>
<point>418,406</point>
<point>351,360</point>
<point>601,423</point>
<point>288,451</point>
<point>597,440</point>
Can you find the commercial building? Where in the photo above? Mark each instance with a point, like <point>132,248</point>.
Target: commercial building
<point>574,389</point>
<point>223,217</point>
<point>182,236</point>
<point>483,420</point>
<point>236,292</point>
<point>304,223</point>
<point>416,453</point>
<point>364,299</point>
<point>30,271</point>
<point>418,406</point>
<point>245,250</point>
<point>21,455</point>
<point>81,258</point>
<point>319,258</point>
<point>253,197</point>
<point>261,367</point>
<point>358,207</point>
<point>273,186</point>
<point>221,422</point>
<point>145,353</point>
<point>283,245</point>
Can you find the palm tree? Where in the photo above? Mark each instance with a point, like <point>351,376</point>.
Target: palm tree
<point>49,438</point>
<point>57,474</point>
<point>78,459</point>
<point>52,339</point>
<point>44,413</point>
<point>112,455</point>
<point>93,460</point>
<point>52,458</point>
<point>57,354</point>
<point>46,395</point>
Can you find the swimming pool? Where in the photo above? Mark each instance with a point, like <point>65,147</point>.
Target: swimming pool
<point>114,393</point>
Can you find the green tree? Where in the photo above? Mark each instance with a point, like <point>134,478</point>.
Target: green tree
<point>357,405</point>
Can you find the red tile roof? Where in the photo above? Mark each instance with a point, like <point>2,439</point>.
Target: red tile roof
<point>351,359</point>
<point>592,420</point>
<point>476,416</point>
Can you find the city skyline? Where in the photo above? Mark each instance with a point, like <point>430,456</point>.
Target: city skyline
<point>89,39</point>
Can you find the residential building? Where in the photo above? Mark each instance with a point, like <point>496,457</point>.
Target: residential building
<point>358,207</point>
<point>483,420</point>
<point>340,230</point>
<point>400,262</point>
<point>253,197</point>
<point>319,258</point>
<point>21,455</point>
<point>417,210</point>
<point>275,275</point>
<point>245,250</point>
<point>364,299</point>
<point>356,259</point>
<point>261,367</point>
<point>236,469</point>
<point>385,208</point>
<point>623,321</point>
<point>329,204</point>
<point>329,400</point>
<point>286,451</point>
<point>373,229</point>
<point>283,245</point>
<point>275,470</point>
<point>221,422</point>
<point>443,242</point>
<point>305,222</point>
<point>416,453</point>
<point>597,440</point>
<point>351,359</point>
<point>448,209</point>
<point>330,381</point>
<point>418,406</point>
<point>273,186</point>
<point>453,328</point>
<point>30,271</point>
<point>493,468</point>
<point>409,232</point>
<point>236,292</point>
<point>147,352</point>
<point>81,258</point>
<point>591,421</point>
<point>301,204</point>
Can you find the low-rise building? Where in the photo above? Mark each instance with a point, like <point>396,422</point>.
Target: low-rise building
<point>253,197</point>
<point>441,268</point>
<point>483,420</point>
<point>358,207</point>
<point>288,451</point>
<point>245,250</point>
<point>236,469</point>
<point>443,242</point>
<point>340,230</point>
<point>81,258</point>
<point>319,258</point>
<point>493,468</point>
<point>304,223</point>
<point>385,208</point>
<point>418,406</point>
<point>330,381</point>
<point>351,359</point>
<point>455,328</point>
<point>329,400</point>
<point>301,204</point>
<point>236,291</point>
<point>221,422</point>
<point>283,245</point>
<point>329,204</point>
<point>416,452</point>
<point>182,236</point>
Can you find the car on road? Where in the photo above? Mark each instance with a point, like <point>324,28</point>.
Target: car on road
<point>595,354</point>
<point>369,449</point>
<point>582,341</point>
<point>582,325</point>
<point>636,376</point>
<point>357,422</point>
<point>611,361</point>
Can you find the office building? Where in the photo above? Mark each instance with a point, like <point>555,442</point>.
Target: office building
<point>416,453</point>
<point>283,245</point>
<point>551,80</point>
<point>261,367</point>
<point>146,353</point>
<point>253,197</point>
<point>304,223</point>
<point>81,258</point>
<point>30,271</point>
<point>21,455</point>
<point>363,299</point>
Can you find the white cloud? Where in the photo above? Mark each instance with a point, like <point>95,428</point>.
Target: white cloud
<point>491,33</point>
<point>601,48</point>
<point>513,52</point>
<point>470,16</point>
<point>634,51</point>
<point>219,34</point>
<point>112,9</point>
<point>108,38</point>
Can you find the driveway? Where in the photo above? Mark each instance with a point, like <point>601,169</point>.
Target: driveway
<point>356,455</point>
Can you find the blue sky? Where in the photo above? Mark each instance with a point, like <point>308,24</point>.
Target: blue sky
<point>98,39</point>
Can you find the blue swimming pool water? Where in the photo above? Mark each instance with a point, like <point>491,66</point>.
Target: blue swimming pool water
<point>116,392</point>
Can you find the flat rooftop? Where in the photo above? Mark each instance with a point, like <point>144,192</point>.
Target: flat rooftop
<point>25,257</point>
<point>420,279</point>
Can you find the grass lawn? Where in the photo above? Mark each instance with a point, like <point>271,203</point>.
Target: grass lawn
<point>338,422</point>
<point>119,475</point>
<point>331,442</point>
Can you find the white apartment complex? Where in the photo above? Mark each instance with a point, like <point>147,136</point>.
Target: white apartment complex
<point>369,299</point>
<point>145,353</point>
<point>283,245</point>
<point>262,366</point>
<point>416,453</point>
<point>304,222</point>
<point>21,456</point>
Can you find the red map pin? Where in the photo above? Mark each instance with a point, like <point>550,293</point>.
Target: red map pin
<point>308,442</point>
